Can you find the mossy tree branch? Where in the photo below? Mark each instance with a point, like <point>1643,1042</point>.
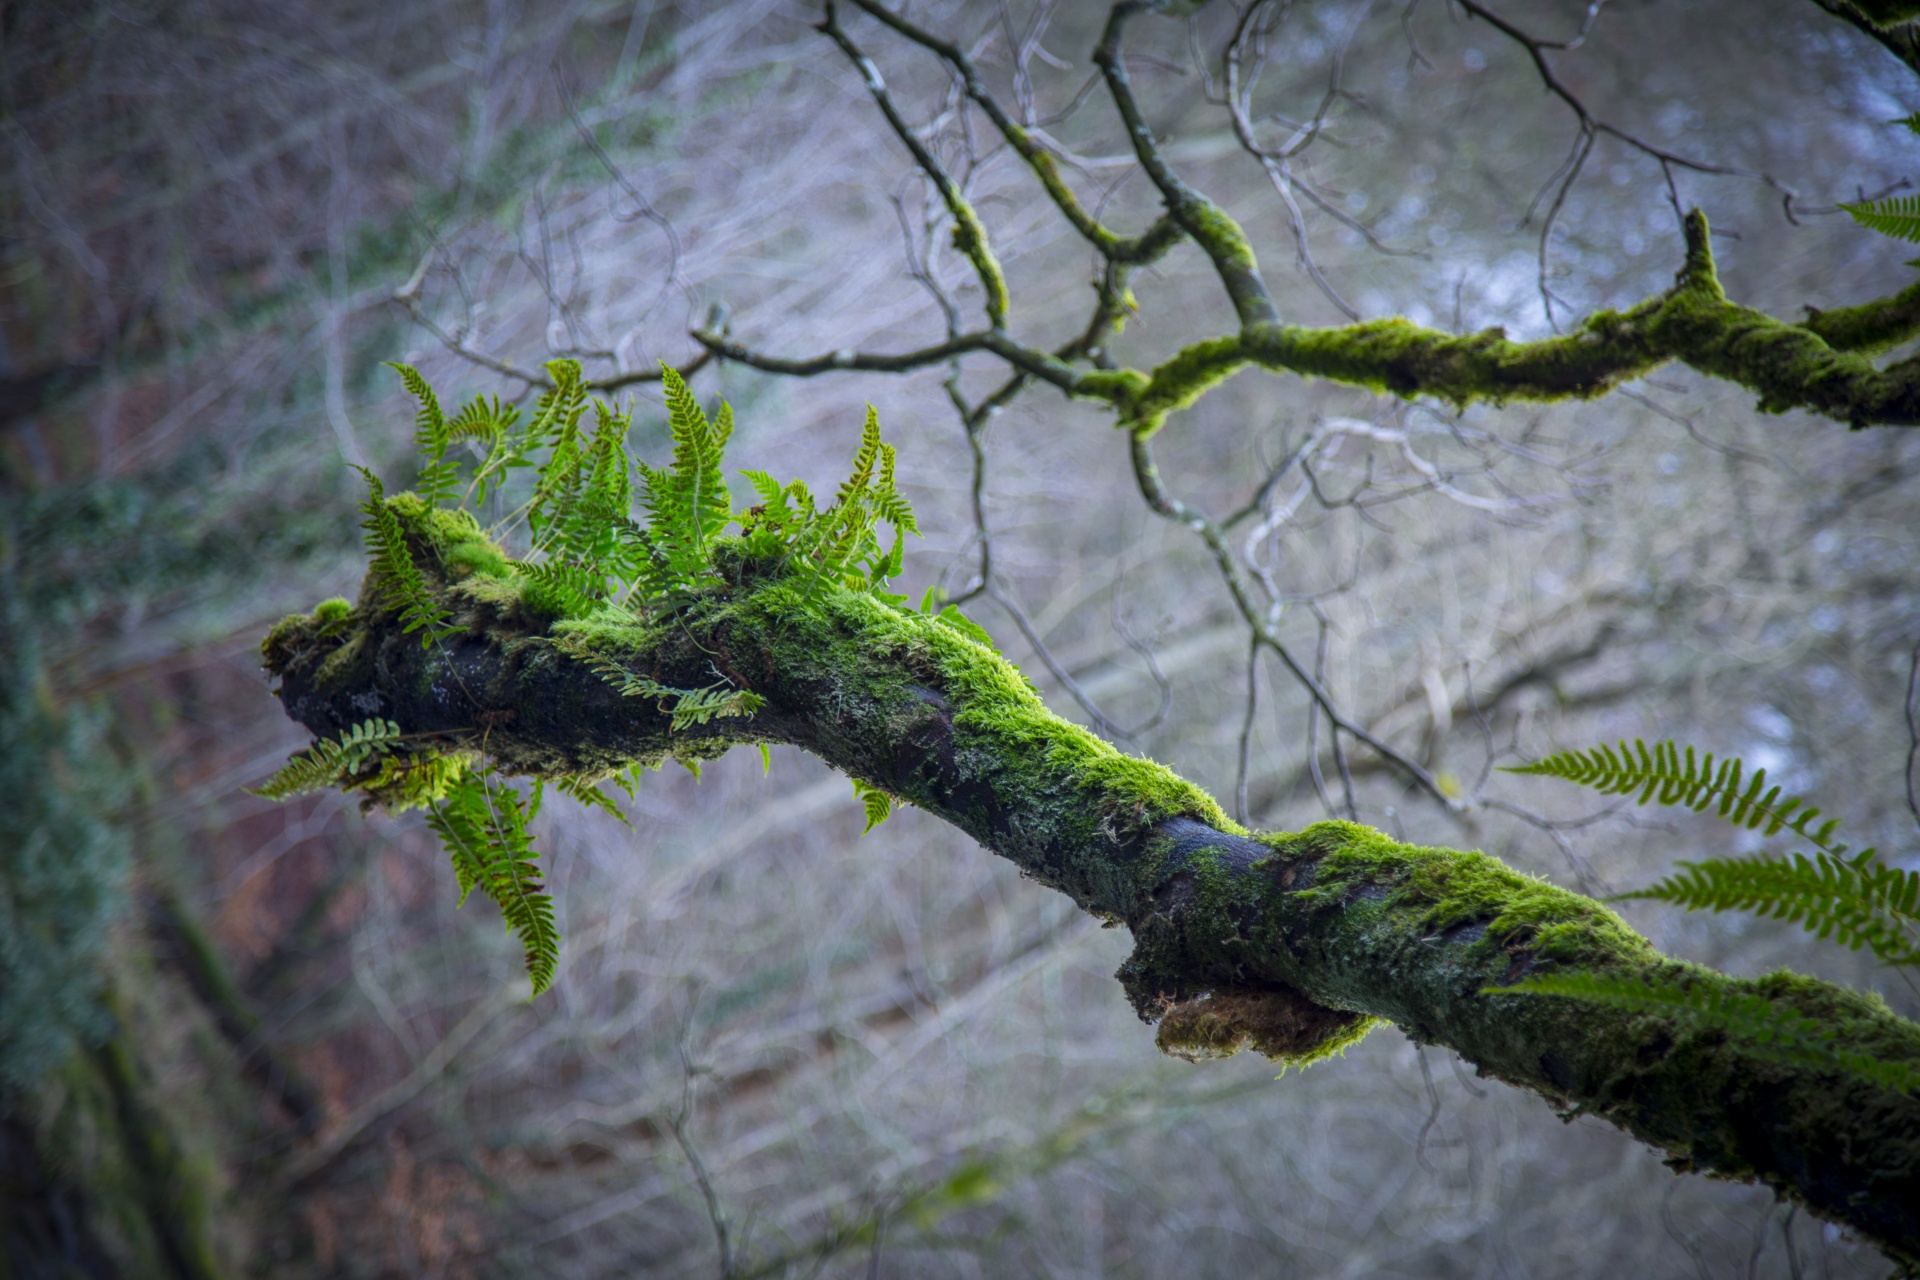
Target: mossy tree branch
<point>1292,944</point>
<point>1824,364</point>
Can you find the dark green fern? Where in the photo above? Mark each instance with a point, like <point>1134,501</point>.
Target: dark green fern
<point>1833,891</point>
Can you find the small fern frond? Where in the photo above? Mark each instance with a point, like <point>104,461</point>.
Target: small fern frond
<point>1896,216</point>
<point>1755,1025</point>
<point>330,760</point>
<point>415,780</point>
<point>1673,776</point>
<point>877,803</point>
<point>1858,902</point>
<point>576,787</point>
<point>389,559</point>
<point>484,829</point>
<point>571,590</point>
<point>695,706</point>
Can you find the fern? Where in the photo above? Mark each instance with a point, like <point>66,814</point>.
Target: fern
<point>1896,216</point>
<point>1910,122</point>
<point>576,787</point>
<point>687,504</point>
<point>1836,893</point>
<point>484,830</point>
<point>698,706</point>
<point>1855,901</point>
<point>330,760</point>
<point>389,559</point>
<point>837,546</point>
<point>565,587</point>
<point>686,707</point>
<point>1673,776</point>
<point>1761,1028</point>
<point>415,780</point>
<point>431,437</point>
<point>877,803</point>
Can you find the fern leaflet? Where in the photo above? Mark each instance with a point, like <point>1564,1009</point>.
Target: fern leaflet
<point>1896,216</point>
<point>1856,901</point>
<point>330,760</point>
<point>877,803</point>
<point>389,559</point>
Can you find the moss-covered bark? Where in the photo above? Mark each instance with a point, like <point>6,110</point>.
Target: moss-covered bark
<point>1294,944</point>
<point>1823,365</point>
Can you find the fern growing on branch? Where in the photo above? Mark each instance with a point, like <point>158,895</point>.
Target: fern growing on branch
<point>330,760</point>
<point>589,558</point>
<point>484,830</point>
<point>1833,891</point>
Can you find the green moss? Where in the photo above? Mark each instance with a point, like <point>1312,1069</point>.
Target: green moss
<point>970,238</point>
<point>1214,229</point>
<point>1451,888</point>
<point>334,610</point>
<point>475,555</point>
<point>1120,386</point>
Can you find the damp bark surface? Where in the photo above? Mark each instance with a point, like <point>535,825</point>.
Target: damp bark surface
<point>1292,944</point>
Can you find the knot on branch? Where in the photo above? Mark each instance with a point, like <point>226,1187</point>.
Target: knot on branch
<point>1276,1021</point>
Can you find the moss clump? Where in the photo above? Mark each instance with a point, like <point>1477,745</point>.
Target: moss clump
<point>1451,889</point>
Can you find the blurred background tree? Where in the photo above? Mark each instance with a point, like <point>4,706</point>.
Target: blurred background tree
<point>273,1046</point>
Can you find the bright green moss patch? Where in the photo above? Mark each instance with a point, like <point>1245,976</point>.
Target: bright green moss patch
<point>1452,888</point>
<point>475,555</point>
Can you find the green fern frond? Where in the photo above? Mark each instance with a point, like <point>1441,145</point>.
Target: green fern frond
<point>1909,122</point>
<point>1755,1025</point>
<point>431,436</point>
<point>1858,901</point>
<point>1674,777</point>
<point>877,803</point>
<point>696,706</point>
<point>575,787</point>
<point>484,829</point>
<point>1896,216</point>
<point>330,760</point>
<point>415,780</point>
<point>390,560</point>
<point>563,587</point>
<point>687,503</point>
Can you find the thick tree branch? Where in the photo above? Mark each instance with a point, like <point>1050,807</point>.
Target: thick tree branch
<point>1291,944</point>
<point>1790,366</point>
<point>1893,25</point>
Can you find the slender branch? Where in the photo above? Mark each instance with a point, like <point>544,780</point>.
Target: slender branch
<point>969,236</point>
<point>1217,234</point>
